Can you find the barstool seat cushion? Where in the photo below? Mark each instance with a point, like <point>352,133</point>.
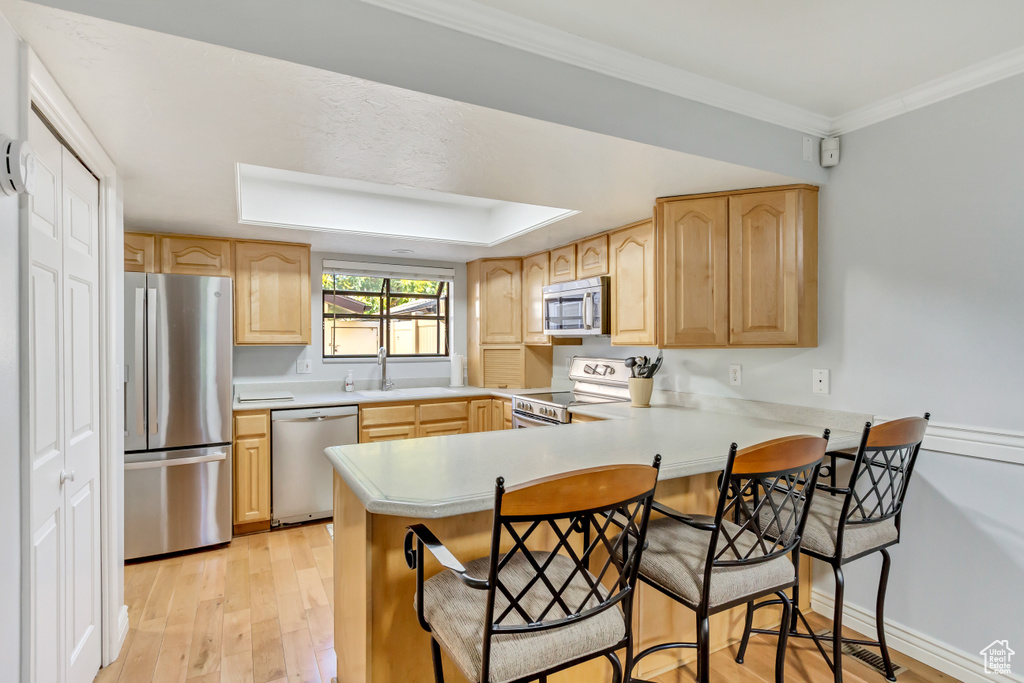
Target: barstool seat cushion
<point>822,528</point>
<point>676,554</point>
<point>456,614</point>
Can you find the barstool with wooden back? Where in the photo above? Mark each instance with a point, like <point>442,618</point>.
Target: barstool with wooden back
<point>855,521</point>
<point>713,564</point>
<point>524,614</point>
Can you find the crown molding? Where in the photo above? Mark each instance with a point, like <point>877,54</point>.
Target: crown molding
<point>508,29</point>
<point>467,16</point>
<point>1003,66</point>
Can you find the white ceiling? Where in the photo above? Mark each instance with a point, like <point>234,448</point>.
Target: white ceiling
<point>820,66</point>
<point>177,115</point>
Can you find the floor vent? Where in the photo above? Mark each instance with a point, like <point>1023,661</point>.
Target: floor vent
<point>869,658</point>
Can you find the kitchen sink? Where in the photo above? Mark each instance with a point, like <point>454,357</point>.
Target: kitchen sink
<point>408,393</point>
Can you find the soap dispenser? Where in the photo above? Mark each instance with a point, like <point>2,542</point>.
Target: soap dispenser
<point>350,382</point>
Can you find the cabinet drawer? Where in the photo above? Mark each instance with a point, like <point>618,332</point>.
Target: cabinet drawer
<point>252,424</point>
<point>449,410</point>
<point>387,415</point>
<point>444,428</point>
<point>393,433</point>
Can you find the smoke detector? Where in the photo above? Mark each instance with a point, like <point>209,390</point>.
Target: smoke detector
<point>17,166</point>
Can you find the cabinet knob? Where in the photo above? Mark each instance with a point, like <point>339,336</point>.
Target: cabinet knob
<point>66,476</point>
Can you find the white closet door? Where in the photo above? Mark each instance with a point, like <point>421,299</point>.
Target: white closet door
<point>63,359</point>
<point>81,420</point>
<point>46,402</point>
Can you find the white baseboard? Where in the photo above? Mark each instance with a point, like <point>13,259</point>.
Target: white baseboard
<point>964,666</point>
<point>122,626</point>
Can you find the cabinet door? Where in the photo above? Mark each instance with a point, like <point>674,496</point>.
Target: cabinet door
<point>592,257</point>
<point>763,268</point>
<point>563,264</point>
<point>392,433</point>
<point>694,254</point>
<point>139,253</point>
<point>506,413</point>
<point>480,415</point>
<point>497,415</point>
<point>503,367</point>
<point>535,277</point>
<point>501,309</point>
<point>252,479</point>
<point>272,293</point>
<point>443,428</point>
<point>184,255</point>
<point>631,251</point>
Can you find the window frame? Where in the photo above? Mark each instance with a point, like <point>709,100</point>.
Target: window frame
<point>385,317</point>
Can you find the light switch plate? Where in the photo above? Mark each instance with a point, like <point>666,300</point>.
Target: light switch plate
<point>303,367</point>
<point>736,375</point>
<point>820,382</point>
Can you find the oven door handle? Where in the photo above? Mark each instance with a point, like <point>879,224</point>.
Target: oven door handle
<point>520,421</point>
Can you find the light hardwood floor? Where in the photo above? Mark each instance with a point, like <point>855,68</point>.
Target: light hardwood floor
<point>261,611</point>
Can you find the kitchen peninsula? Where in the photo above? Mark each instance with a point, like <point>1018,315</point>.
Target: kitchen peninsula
<point>382,488</point>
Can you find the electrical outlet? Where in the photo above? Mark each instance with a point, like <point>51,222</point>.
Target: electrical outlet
<point>808,148</point>
<point>304,367</point>
<point>736,375</point>
<point>820,382</point>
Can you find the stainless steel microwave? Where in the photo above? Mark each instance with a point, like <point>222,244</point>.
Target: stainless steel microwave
<point>577,309</point>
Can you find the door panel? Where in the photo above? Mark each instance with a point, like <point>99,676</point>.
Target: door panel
<point>191,319</point>
<point>47,635</point>
<point>633,302</point>
<point>764,278</point>
<point>80,194</point>
<point>695,272</point>
<point>501,308</point>
<point>535,277</point>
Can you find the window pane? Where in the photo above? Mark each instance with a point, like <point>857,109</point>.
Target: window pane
<point>328,282</point>
<point>341,304</point>
<point>404,306</point>
<point>358,283</point>
<point>414,337</point>
<point>351,337</point>
<point>414,286</point>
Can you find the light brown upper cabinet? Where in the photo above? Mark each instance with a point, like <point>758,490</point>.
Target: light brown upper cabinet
<point>139,253</point>
<point>632,261</point>
<point>592,257</point>
<point>773,268</point>
<point>563,264</point>
<point>186,255</point>
<point>272,293</point>
<point>535,277</point>
<point>501,308</point>
<point>694,272</point>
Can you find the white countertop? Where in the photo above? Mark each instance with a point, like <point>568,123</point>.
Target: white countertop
<point>446,476</point>
<point>320,397</point>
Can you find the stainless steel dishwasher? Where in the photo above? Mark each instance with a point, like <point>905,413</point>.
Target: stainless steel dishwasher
<point>301,476</point>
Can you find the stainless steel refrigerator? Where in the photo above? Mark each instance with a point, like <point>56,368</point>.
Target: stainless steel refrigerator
<point>177,412</point>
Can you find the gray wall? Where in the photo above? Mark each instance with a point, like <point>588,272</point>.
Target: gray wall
<point>922,284</point>
<point>278,363</point>
<point>12,125</point>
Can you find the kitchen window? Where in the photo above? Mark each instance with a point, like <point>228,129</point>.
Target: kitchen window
<point>406,313</point>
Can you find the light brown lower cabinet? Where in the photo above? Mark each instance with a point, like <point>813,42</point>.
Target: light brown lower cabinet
<point>586,418</point>
<point>387,433</point>
<point>395,421</point>
<point>443,428</point>
<point>480,415</point>
<point>252,469</point>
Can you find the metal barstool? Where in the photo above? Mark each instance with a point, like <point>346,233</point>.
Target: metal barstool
<point>855,521</point>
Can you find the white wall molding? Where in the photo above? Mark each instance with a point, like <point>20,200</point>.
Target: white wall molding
<point>965,666</point>
<point>467,16</point>
<point>508,29</point>
<point>973,442</point>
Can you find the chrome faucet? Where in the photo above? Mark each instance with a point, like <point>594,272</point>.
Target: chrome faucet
<point>382,361</point>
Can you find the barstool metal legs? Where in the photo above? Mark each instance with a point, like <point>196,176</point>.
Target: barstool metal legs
<point>746,632</point>
<point>703,651</point>
<point>837,626</point>
<point>883,583</point>
<point>435,655</point>
<point>780,652</point>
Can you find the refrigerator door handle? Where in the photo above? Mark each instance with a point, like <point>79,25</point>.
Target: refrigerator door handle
<point>152,372</point>
<point>139,359</point>
<point>172,462</point>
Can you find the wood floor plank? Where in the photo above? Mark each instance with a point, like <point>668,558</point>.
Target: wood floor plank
<point>214,574</point>
<point>236,584</point>
<point>205,654</point>
<point>237,668</point>
<point>329,590</point>
<point>327,662</point>
<point>213,677</point>
<point>291,612</point>
<point>237,636</point>
<point>280,549</point>
<point>259,553</point>
<point>285,580</point>
<point>267,652</point>
<point>262,596</point>
<point>311,586</point>
<point>299,657</point>
<point>324,558</point>
<point>317,536</point>
<point>321,627</point>
<point>140,662</point>
<point>172,664</point>
<point>185,600</point>
<point>302,554</point>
